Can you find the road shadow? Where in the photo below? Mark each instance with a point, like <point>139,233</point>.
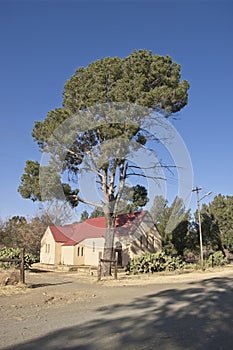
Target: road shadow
<point>196,316</point>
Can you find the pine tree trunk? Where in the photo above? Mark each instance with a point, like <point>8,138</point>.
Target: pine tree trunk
<point>109,243</point>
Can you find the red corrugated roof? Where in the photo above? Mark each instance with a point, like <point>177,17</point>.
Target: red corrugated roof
<point>95,228</point>
<point>69,243</point>
<point>97,222</point>
<point>57,234</point>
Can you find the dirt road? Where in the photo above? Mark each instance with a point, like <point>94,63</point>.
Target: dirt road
<point>68,311</point>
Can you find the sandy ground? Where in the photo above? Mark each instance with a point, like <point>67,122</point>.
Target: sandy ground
<point>52,304</point>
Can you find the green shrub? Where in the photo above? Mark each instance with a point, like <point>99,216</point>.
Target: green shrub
<point>154,262</point>
<point>216,259</point>
<point>14,253</point>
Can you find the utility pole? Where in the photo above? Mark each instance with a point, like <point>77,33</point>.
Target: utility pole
<point>197,190</point>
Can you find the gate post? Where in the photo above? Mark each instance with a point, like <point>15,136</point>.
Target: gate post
<point>22,270</point>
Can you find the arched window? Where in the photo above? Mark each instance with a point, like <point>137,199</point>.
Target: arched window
<point>78,251</point>
<point>82,251</point>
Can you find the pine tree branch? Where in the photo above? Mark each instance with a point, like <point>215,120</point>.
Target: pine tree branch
<point>146,176</point>
<point>85,201</point>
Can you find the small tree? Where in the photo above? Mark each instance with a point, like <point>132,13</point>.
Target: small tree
<point>84,216</point>
<point>180,235</point>
<point>17,232</point>
<point>173,223</point>
<point>211,233</point>
<point>220,210</point>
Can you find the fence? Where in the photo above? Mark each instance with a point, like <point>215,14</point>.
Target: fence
<point>22,263</point>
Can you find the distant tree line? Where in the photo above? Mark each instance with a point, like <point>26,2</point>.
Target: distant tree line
<point>180,231</point>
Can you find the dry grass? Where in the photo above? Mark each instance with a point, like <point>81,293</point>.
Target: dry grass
<point>9,282</point>
<point>18,288</point>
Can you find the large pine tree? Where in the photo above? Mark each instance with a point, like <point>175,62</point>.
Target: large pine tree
<point>110,100</point>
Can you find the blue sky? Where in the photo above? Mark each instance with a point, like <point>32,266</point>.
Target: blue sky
<point>43,42</point>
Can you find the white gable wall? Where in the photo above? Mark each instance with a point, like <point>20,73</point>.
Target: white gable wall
<point>48,249</point>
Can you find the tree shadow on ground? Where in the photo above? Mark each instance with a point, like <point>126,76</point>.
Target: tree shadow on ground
<point>35,270</point>
<point>39,285</point>
<point>196,316</point>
